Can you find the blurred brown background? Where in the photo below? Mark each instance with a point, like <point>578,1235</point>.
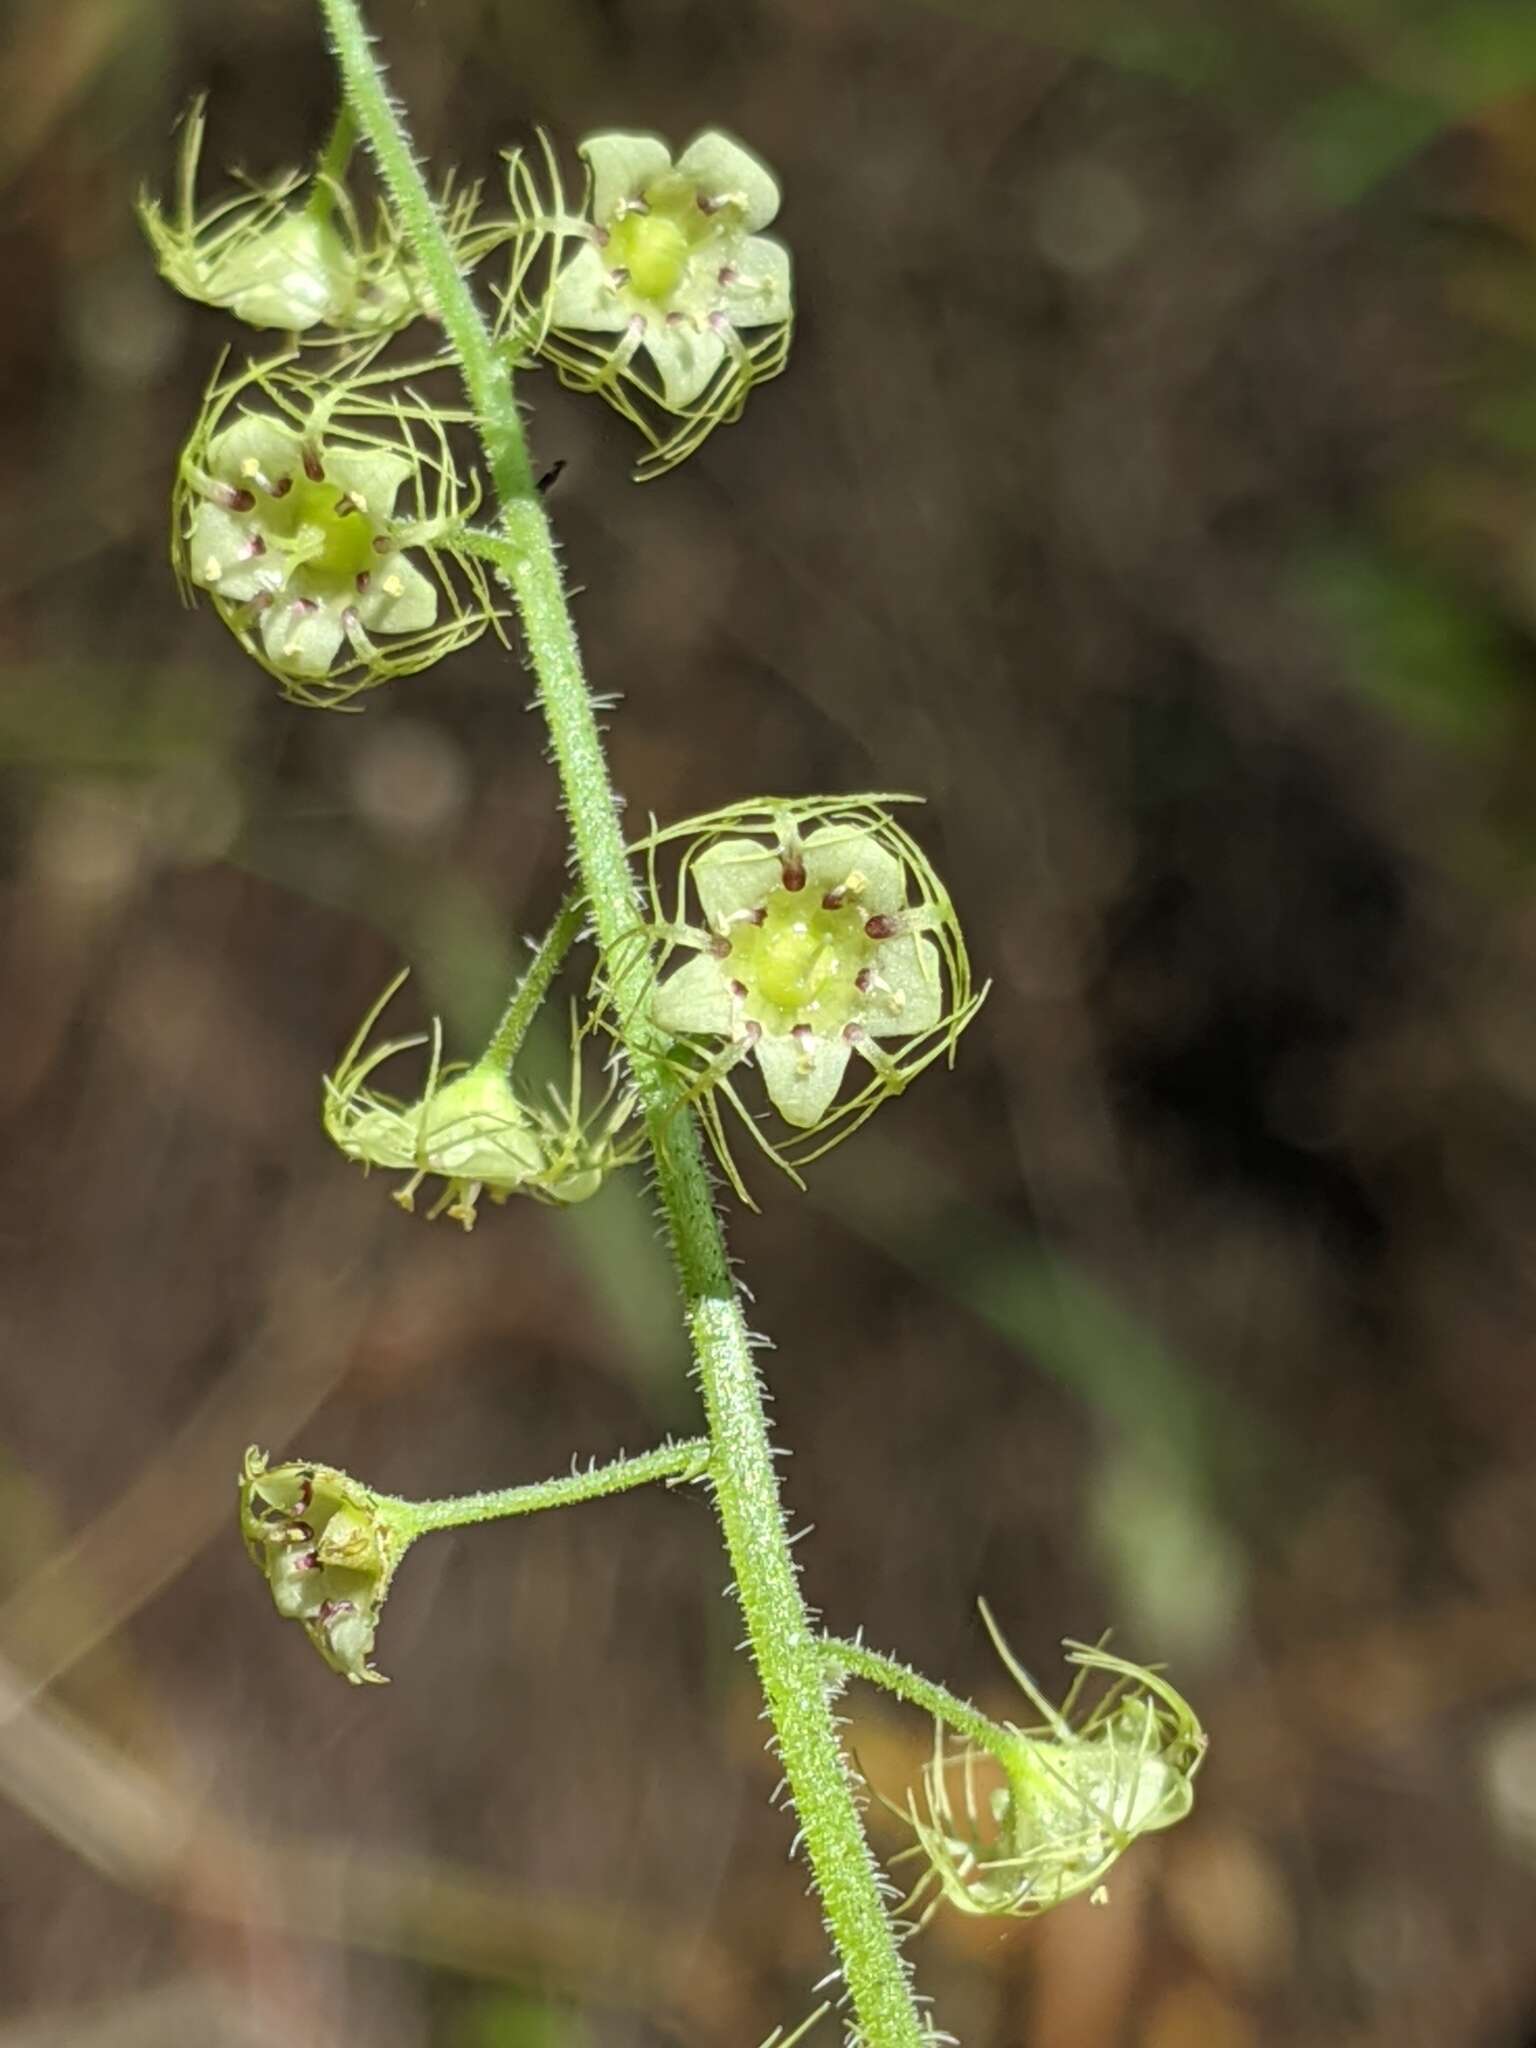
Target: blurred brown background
<point>1153,487</point>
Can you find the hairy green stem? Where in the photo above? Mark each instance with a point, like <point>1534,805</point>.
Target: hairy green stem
<point>746,1487</point>
<point>683,1460</point>
<point>841,1658</point>
<point>522,1007</point>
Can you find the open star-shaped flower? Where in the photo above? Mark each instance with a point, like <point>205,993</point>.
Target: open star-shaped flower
<point>815,951</point>
<point>292,520</point>
<point>694,302</point>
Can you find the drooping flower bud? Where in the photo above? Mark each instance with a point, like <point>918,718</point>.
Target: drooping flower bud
<point>322,528</point>
<point>820,947</point>
<point>471,1129</point>
<point>691,305</point>
<point>328,1549</point>
<point>1071,1798</point>
<point>291,252</point>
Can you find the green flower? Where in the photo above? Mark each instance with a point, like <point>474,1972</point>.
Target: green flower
<point>1072,1799</point>
<point>671,272</point>
<point>292,253</point>
<point>470,1129</point>
<point>290,519</point>
<point>328,1550</point>
<point>816,950</point>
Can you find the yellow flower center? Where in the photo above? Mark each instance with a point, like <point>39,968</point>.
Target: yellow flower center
<point>799,966</point>
<point>336,544</point>
<point>654,249</point>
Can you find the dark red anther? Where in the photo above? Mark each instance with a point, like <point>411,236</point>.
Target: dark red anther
<point>363,581</point>
<point>282,487</point>
<point>231,499</point>
<point>719,948</point>
<point>881,927</point>
<point>864,980</point>
<point>727,274</point>
<point>600,236</point>
<point>306,1492</point>
<point>330,1609</point>
<point>304,607</point>
<point>314,469</point>
<point>309,1562</point>
<point>382,544</point>
<point>739,991</point>
<point>298,1532</point>
<point>835,898</point>
<point>854,1034</point>
<point>754,1031</point>
<point>344,504</point>
<point>802,1035</point>
<point>706,204</point>
<point>251,549</point>
<point>758,916</point>
<point>618,278</point>
<point>793,872</point>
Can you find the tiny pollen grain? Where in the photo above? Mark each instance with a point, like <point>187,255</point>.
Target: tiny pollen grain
<point>250,466</point>
<point>393,586</point>
<point>213,569</point>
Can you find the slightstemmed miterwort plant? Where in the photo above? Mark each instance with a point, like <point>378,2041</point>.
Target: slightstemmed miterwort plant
<point>318,506</point>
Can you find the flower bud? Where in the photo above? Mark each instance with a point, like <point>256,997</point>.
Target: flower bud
<point>1071,1800</point>
<point>328,1549</point>
<point>815,947</point>
<point>291,519</point>
<point>471,1129</point>
<point>672,276</point>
